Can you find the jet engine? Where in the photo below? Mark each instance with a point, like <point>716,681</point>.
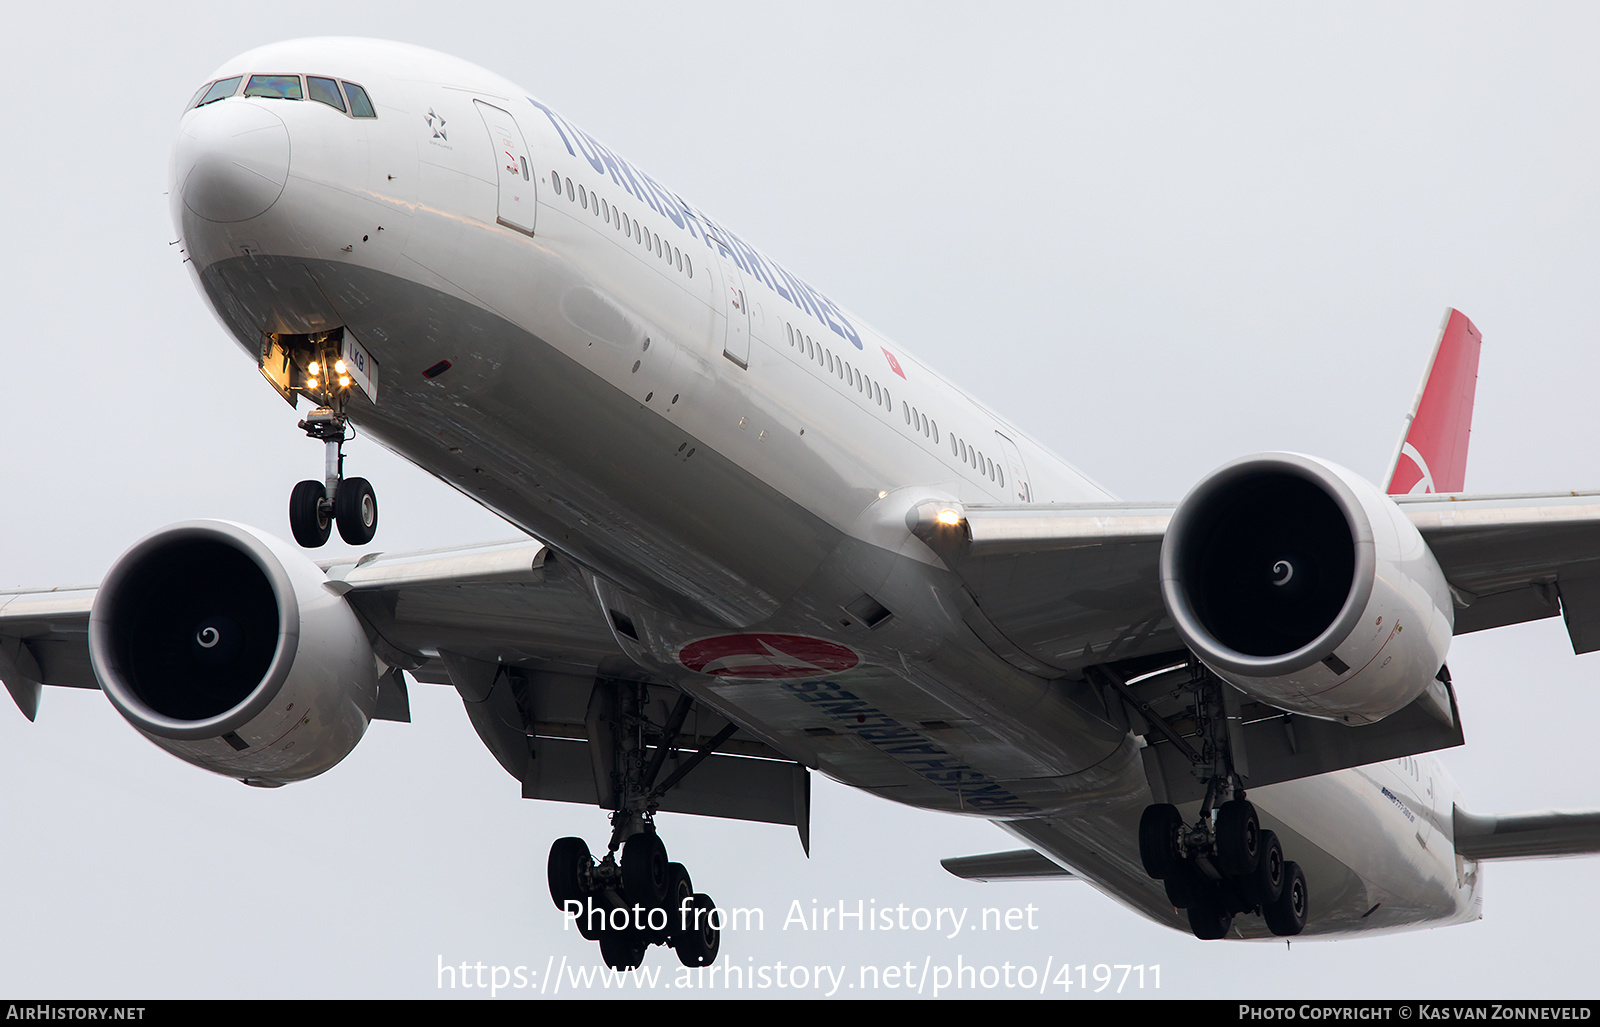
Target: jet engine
<point>220,644</point>
<point>1302,584</point>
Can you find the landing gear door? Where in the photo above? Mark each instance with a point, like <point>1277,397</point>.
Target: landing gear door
<point>513,170</point>
<point>736,302</point>
<point>277,368</point>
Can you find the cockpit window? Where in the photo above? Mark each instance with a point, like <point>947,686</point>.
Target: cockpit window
<point>324,90</point>
<point>360,106</point>
<point>280,87</point>
<point>219,90</point>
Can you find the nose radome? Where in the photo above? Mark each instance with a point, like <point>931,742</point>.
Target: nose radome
<point>231,161</point>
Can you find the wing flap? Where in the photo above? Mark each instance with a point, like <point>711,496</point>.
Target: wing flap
<point>1513,558</point>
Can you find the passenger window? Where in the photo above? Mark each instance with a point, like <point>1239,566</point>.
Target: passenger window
<point>635,228</point>
<point>677,257</point>
<point>220,90</point>
<point>790,328</point>
<point>555,177</point>
<point>688,267</point>
<point>877,394</point>
<point>274,87</point>
<point>935,432</point>
<point>325,90</point>
<point>571,195</point>
<point>953,446</point>
<point>605,211</point>
<point>583,198</point>
<point>360,106</point>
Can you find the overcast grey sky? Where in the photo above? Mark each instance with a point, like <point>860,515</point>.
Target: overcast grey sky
<point>1155,236</point>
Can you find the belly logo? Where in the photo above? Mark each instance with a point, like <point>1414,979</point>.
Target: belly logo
<point>766,656</point>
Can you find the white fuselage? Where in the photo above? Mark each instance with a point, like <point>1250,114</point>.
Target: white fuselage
<point>719,445</point>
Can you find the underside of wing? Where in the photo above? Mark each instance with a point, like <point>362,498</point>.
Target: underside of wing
<point>518,632</point>
<point>1516,558</point>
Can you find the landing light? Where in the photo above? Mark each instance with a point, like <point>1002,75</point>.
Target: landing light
<point>949,518</point>
<point>311,383</point>
<point>314,369</point>
<point>339,368</point>
<point>344,381</point>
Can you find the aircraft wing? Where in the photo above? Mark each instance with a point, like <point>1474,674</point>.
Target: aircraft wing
<point>517,632</point>
<point>1075,585</point>
<point>495,601</point>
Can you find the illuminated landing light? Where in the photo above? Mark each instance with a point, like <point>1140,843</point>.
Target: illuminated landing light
<point>344,381</point>
<point>949,518</point>
<point>883,495</point>
<point>339,368</point>
<point>313,368</point>
<point>311,383</point>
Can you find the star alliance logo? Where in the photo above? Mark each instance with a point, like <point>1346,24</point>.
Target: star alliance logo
<point>436,123</point>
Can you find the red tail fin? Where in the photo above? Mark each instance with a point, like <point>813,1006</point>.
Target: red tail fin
<point>1433,452</point>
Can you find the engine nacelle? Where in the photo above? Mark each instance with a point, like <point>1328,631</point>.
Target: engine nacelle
<point>1302,584</point>
<point>220,644</point>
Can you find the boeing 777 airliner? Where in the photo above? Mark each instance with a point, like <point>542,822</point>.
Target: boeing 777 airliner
<point>762,539</point>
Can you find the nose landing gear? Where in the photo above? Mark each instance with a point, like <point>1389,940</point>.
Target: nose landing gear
<point>316,506</point>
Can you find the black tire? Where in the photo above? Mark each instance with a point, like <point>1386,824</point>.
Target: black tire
<point>1180,884</point>
<point>1238,838</point>
<point>307,522</point>
<point>622,950</point>
<point>1287,916</point>
<point>355,507</point>
<point>698,940</point>
<point>1209,919</point>
<point>1158,839</point>
<point>1264,884</point>
<point>569,858</point>
<point>644,871</point>
<point>680,893</point>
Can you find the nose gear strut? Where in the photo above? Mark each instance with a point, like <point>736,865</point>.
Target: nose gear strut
<point>316,506</point>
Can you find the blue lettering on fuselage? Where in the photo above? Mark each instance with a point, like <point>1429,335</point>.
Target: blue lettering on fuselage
<point>973,789</point>
<point>668,204</point>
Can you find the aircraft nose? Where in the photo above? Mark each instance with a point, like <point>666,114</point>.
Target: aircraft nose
<point>231,161</point>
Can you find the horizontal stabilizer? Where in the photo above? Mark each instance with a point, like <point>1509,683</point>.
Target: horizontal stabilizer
<point>1526,835</point>
<point>1016,865</point>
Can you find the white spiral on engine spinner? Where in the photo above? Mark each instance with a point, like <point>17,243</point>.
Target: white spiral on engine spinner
<point>1285,568</point>
<point>208,637</point>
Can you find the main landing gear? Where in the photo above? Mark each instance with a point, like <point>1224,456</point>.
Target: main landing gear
<point>634,896</point>
<point>1224,864</point>
<point>316,506</point>
<point>1218,869</point>
<point>631,903</point>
